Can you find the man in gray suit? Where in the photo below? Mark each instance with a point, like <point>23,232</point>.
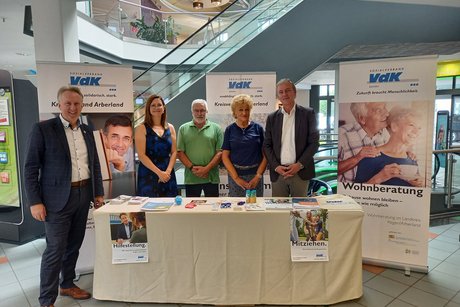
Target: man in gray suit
<point>291,141</point>
<point>62,176</point>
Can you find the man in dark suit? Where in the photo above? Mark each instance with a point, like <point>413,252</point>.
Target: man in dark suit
<point>124,229</point>
<point>62,176</point>
<point>291,141</point>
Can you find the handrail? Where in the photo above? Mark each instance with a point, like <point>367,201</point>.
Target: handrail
<point>450,150</point>
<point>172,12</point>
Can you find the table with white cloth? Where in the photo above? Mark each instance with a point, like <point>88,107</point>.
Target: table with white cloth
<point>227,257</point>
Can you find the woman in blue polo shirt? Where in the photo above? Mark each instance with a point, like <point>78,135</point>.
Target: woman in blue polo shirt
<point>242,152</point>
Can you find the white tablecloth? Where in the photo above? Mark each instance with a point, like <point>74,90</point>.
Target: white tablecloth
<point>199,256</point>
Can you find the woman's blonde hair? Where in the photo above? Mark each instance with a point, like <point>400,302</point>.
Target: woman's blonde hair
<point>241,100</point>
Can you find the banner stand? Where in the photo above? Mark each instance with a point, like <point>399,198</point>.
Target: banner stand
<point>386,112</point>
<point>396,265</point>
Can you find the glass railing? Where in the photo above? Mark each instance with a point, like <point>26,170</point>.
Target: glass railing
<point>159,22</point>
<point>190,61</point>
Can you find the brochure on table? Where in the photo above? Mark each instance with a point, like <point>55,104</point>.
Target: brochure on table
<point>309,235</point>
<point>132,247</point>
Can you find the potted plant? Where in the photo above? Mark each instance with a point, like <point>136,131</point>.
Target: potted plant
<point>158,32</point>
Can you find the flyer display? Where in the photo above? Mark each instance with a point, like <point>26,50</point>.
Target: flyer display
<point>129,238</point>
<point>309,235</point>
<point>384,154</point>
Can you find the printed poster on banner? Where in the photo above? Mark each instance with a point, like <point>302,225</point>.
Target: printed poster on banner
<point>128,234</point>
<point>106,88</point>
<point>384,154</point>
<point>220,90</point>
<point>107,107</point>
<point>309,236</point>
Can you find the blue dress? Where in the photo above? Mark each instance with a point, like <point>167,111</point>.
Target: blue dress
<point>158,149</point>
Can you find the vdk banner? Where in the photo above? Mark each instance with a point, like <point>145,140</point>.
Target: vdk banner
<point>106,88</point>
<point>384,154</point>
<point>107,108</point>
<point>220,90</point>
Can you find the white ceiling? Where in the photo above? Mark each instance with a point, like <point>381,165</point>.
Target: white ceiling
<point>17,49</point>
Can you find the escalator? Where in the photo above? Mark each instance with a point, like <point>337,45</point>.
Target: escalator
<point>188,62</point>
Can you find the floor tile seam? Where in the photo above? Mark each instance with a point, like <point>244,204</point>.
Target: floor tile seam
<point>443,274</point>
<point>446,241</point>
<point>448,289</point>
<point>427,281</point>
<point>375,275</point>
<point>434,267</point>
<point>394,299</point>
<point>448,273</point>
<point>441,242</point>
<point>444,237</point>
<point>38,251</point>
<point>22,289</point>
<point>18,295</point>
<point>391,279</point>
<point>418,290</point>
<point>451,261</point>
<point>381,291</point>
<point>447,251</point>
<point>436,284</point>
<point>9,263</point>
<point>452,301</point>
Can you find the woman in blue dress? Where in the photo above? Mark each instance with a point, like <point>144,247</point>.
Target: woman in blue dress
<point>393,166</point>
<point>156,149</point>
<point>242,152</point>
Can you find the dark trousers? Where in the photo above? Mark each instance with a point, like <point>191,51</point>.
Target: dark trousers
<point>64,232</point>
<point>194,190</point>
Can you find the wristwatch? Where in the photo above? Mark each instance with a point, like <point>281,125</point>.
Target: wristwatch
<point>301,165</point>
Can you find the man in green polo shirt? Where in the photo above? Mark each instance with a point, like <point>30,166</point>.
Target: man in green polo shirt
<point>199,145</point>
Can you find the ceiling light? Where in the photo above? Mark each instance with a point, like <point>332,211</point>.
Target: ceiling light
<point>197,5</point>
<point>216,2</point>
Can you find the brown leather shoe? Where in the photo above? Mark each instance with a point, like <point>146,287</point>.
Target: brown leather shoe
<point>76,293</point>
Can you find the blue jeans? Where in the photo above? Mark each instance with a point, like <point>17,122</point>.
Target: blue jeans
<point>234,190</point>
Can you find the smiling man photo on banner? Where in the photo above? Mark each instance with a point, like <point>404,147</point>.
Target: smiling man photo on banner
<point>118,143</point>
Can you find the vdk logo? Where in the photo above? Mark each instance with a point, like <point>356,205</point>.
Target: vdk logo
<point>82,81</point>
<point>242,84</point>
<point>388,77</point>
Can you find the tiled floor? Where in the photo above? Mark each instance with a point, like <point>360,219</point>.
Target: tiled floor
<point>19,277</point>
